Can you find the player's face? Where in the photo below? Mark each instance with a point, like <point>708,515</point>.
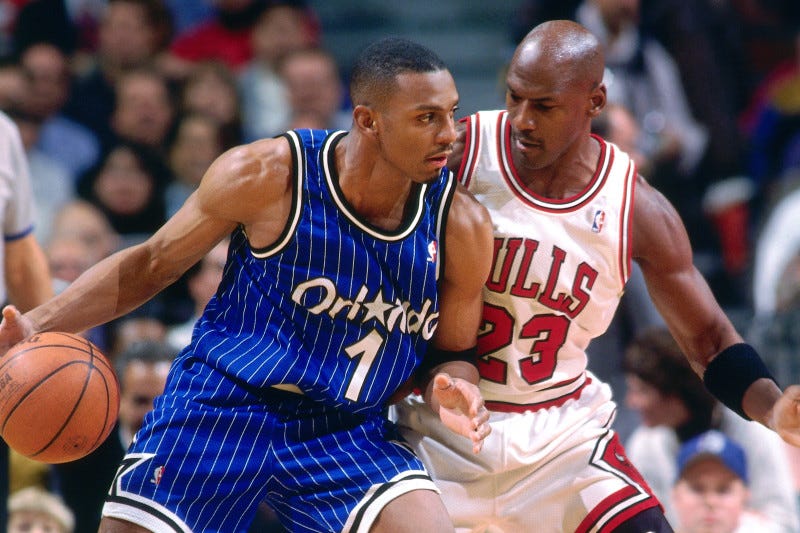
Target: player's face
<point>416,125</point>
<point>547,112</point>
<point>709,498</point>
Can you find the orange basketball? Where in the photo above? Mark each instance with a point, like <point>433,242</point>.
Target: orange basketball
<point>59,397</point>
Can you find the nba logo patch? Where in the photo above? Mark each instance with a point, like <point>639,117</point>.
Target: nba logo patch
<point>158,473</point>
<point>599,221</point>
<point>432,251</point>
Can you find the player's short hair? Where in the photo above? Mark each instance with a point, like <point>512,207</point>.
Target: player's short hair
<point>376,67</point>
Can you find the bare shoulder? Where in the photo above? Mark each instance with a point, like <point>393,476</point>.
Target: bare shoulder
<point>246,179</point>
<point>469,239</point>
<point>467,214</point>
<point>659,235</point>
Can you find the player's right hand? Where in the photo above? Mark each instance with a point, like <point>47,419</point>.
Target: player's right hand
<point>14,328</point>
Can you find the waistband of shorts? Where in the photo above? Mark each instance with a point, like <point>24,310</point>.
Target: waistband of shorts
<point>508,407</point>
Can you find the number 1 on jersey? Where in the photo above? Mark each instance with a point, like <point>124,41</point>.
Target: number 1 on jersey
<point>366,349</point>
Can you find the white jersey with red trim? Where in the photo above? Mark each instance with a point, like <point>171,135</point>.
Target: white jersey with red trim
<point>552,461</point>
<point>560,268</point>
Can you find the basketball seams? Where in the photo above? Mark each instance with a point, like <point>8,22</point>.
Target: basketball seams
<point>76,404</point>
<point>90,390</point>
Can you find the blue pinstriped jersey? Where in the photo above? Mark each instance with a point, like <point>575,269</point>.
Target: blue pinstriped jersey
<point>336,306</point>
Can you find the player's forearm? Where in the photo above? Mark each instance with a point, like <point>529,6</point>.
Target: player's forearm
<point>108,290</point>
<point>759,401</point>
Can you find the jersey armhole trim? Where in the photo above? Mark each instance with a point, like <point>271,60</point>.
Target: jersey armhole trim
<point>469,158</point>
<point>626,224</point>
<point>441,223</point>
<point>298,171</point>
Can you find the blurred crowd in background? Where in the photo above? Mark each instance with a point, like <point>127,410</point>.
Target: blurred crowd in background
<point>124,104</point>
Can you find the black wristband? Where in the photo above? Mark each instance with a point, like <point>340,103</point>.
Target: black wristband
<point>731,372</point>
<point>436,356</point>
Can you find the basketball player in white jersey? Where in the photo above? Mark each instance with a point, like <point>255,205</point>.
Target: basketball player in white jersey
<point>570,213</point>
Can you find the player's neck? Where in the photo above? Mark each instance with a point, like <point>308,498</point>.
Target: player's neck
<point>376,191</point>
<point>566,177</point>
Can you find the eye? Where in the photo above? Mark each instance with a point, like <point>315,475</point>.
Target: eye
<point>427,117</point>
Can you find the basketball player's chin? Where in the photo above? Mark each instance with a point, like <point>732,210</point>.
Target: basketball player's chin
<point>428,178</point>
<point>434,165</point>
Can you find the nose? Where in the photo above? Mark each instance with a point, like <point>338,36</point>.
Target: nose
<point>447,134</point>
<point>522,117</point>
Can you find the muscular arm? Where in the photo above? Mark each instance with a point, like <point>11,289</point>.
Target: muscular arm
<point>468,255</point>
<point>248,185</point>
<point>682,296</point>
<point>27,274</point>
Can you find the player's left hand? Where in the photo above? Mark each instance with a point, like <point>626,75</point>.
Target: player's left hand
<point>461,408</point>
<point>786,415</point>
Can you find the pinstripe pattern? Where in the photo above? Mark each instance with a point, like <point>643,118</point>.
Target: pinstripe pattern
<point>322,309</point>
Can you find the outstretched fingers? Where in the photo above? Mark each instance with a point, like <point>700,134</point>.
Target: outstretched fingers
<point>461,408</point>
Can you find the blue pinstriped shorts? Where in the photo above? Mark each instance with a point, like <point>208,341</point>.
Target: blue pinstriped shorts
<point>205,465</point>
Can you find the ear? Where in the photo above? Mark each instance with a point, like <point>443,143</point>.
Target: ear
<point>597,100</point>
<point>364,119</point>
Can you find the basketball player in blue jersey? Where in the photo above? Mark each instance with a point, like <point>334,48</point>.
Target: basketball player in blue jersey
<point>341,282</point>
<point>570,213</point>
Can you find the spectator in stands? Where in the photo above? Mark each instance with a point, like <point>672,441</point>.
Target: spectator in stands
<point>227,35</point>
<point>82,220</point>
<point>49,84</point>
<point>70,25</point>
<point>12,85</point>
<point>196,140</point>
<point>127,186</point>
<point>711,490</point>
<point>36,510</point>
<point>315,89</point>
<point>777,243</point>
<point>131,34</point>
<point>143,108</point>
<point>224,36</point>
<point>212,88</point>
<point>279,30</point>
<point>674,407</point>
<point>68,257</point>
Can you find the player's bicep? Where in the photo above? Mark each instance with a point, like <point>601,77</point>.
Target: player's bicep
<point>678,290</point>
<point>468,255</point>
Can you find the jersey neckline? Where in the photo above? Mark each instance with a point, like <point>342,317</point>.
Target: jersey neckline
<point>415,207</point>
<point>528,196</point>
